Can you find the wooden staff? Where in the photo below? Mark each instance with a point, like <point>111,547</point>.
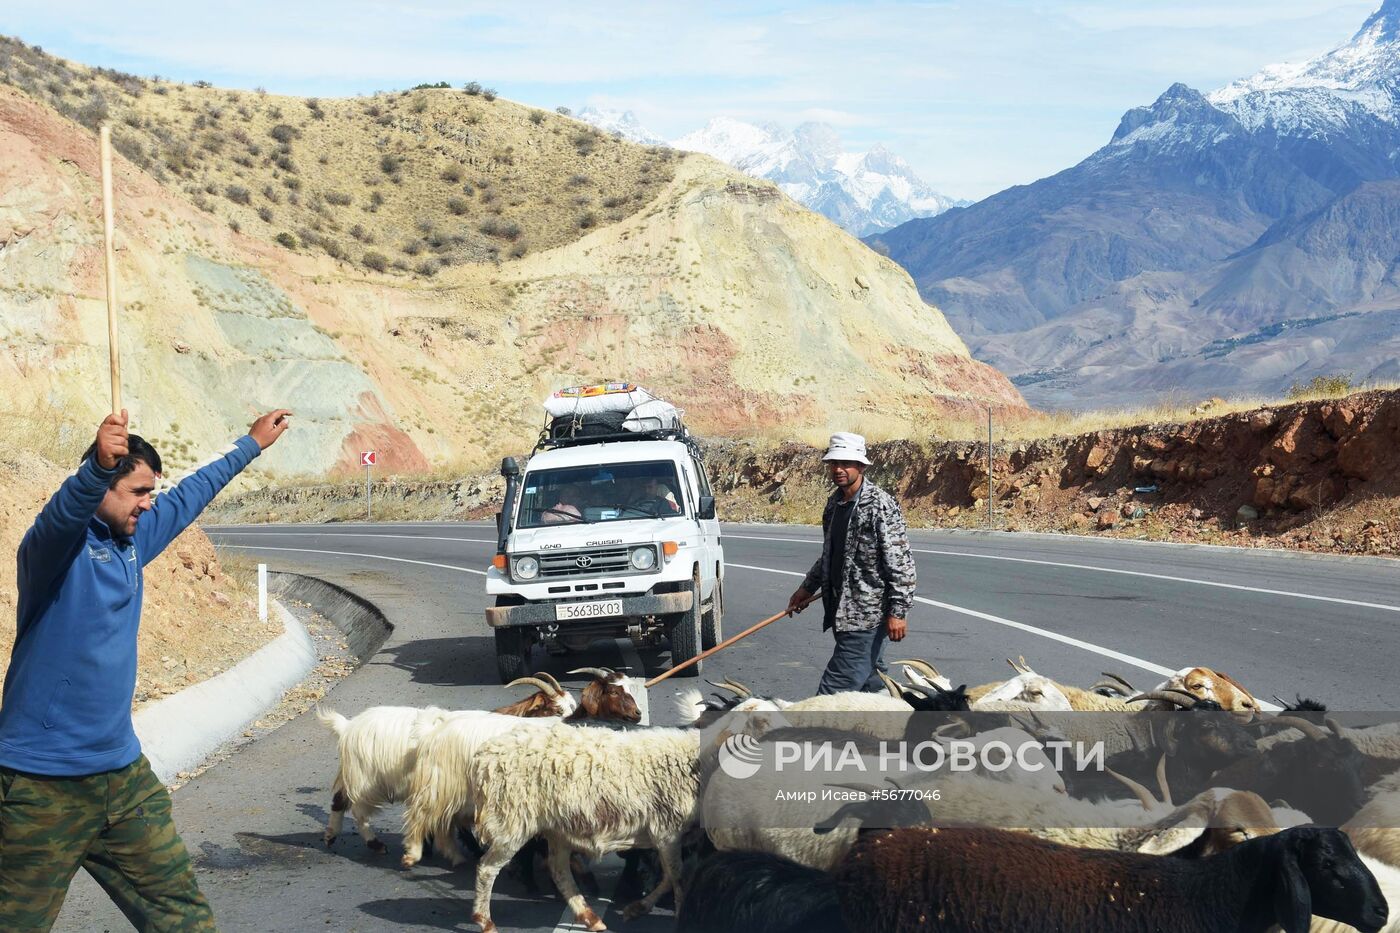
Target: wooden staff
<point>104,135</point>
<point>729,641</point>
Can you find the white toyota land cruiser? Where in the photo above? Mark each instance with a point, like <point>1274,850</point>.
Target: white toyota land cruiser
<point>606,536</point>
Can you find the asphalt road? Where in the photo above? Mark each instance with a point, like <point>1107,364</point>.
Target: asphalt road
<point>1282,623</point>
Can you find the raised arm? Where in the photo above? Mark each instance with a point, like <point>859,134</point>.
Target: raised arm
<point>177,508</point>
<point>58,532</point>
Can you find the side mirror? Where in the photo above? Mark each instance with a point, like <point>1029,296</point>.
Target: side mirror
<point>707,507</point>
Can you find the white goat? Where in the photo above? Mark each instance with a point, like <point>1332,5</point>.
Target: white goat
<point>379,746</point>
<point>587,790</point>
<point>377,750</point>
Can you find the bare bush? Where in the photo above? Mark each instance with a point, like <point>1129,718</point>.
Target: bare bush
<point>238,194</point>
<point>376,261</point>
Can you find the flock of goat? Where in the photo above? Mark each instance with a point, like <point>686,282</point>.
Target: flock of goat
<point>1289,821</point>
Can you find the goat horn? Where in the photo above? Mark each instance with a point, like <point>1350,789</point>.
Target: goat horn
<point>891,686</point>
<point>532,682</point>
<point>1162,780</point>
<point>1143,795</point>
<point>1166,696</point>
<point>1112,686</point>
<point>725,686</point>
<point>739,688</point>
<point>602,673</point>
<point>1302,725</point>
<point>558,688</point>
<point>922,666</point>
<point>1336,727</point>
<point>1127,686</point>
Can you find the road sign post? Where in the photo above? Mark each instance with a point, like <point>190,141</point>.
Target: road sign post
<point>368,459</point>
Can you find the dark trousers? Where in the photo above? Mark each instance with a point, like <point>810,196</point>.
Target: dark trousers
<point>854,663</point>
<point>116,825</point>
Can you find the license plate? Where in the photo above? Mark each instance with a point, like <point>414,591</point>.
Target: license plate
<point>593,610</point>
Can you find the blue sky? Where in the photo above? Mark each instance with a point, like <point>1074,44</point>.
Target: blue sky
<point>976,95</point>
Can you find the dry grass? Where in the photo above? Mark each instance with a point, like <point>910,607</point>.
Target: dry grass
<point>409,181</point>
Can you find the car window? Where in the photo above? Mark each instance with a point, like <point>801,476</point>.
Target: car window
<point>600,493</point>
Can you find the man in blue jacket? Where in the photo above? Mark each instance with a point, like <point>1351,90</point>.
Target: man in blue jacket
<point>75,789</point>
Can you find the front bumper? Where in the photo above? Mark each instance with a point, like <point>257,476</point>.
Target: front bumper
<point>632,607</point>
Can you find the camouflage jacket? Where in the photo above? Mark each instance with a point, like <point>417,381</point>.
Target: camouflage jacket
<point>879,576</point>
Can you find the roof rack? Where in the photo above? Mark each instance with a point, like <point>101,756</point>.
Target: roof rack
<point>676,433</point>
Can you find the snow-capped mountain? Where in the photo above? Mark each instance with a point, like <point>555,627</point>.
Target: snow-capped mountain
<point>865,192</point>
<point>1239,242</point>
<point>620,122</point>
<point>1323,95</point>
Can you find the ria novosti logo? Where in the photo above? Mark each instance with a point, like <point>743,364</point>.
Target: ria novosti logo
<point>740,756</point>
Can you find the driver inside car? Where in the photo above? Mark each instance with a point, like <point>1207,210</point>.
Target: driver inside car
<point>566,509</point>
<point>655,497</point>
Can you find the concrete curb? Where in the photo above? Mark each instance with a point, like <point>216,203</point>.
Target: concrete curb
<point>178,732</point>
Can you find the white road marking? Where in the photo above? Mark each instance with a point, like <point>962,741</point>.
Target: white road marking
<point>1291,594</point>
<point>1043,633</point>
<point>1162,576</point>
<point>398,560</point>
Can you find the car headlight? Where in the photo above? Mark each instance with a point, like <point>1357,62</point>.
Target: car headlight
<point>643,558</point>
<point>526,568</point>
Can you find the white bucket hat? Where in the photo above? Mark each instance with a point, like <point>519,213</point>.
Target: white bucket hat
<point>845,446</point>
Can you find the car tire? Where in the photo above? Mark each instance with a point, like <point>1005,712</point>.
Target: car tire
<point>512,653</point>
<point>712,621</point>
<point>684,634</point>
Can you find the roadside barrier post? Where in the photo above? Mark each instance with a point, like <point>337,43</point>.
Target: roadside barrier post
<point>262,592</point>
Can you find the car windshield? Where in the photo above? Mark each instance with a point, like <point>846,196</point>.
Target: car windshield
<point>604,493</point>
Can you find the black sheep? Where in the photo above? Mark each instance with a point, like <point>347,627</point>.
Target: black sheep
<point>755,892</point>
<point>965,880</point>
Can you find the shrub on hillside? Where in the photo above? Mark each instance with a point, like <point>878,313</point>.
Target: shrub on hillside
<point>536,117</point>
<point>428,267</point>
<point>473,88</point>
<point>488,94</point>
<point>287,240</point>
<point>452,174</point>
<point>457,206</point>
<point>563,111</point>
<point>338,198</point>
<point>1324,386</point>
<point>587,219</point>
<point>389,164</point>
<point>284,133</point>
<point>265,214</point>
<point>238,194</point>
<point>376,261</point>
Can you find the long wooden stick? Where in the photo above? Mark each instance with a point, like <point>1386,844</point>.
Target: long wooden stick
<point>104,135</point>
<point>728,641</point>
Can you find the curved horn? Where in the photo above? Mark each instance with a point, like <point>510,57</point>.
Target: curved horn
<point>533,682</point>
<point>1019,665</point>
<point>558,688</point>
<point>726,686</point>
<point>739,688</point>
<point>1143,795</point>
<point>922,666</point>
<point>1302,725</point>
<point>1166,696</point>
<point>1162,780</point>
<point>602,673</point>
<point>1121,680</point>
<point>891,686</point>
<point>1336,727</point>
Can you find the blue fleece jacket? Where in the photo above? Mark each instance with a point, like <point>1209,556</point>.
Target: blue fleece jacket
<point>66,708</point>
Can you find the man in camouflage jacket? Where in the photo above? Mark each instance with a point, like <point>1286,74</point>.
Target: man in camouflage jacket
<point>865,574</point>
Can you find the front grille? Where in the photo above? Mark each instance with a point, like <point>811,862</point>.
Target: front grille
<point>607,561</point>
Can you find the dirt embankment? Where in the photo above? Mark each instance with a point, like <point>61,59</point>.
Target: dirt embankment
<point>1321,475</point>
<point>197,620</point>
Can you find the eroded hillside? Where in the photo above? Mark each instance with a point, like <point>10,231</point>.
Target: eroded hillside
<point>717,291</point>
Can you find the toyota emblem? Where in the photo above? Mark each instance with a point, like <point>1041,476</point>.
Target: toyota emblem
<point>584,561</point>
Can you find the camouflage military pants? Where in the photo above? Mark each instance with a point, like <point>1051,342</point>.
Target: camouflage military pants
<point>118,826</point>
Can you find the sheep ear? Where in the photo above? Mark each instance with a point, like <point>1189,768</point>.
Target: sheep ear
<point>1293,899</point>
